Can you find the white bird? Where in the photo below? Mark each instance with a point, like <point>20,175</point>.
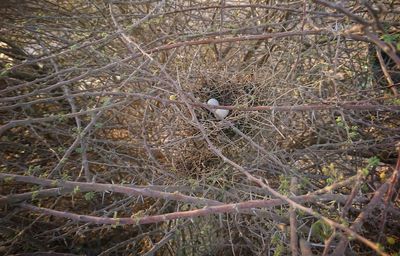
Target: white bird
<point>219,113</point>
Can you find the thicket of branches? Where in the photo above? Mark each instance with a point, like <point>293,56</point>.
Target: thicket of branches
<point>107,146</point>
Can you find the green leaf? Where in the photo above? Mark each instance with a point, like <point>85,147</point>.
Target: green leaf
<point>106,101</point>
<point>98,125</point>
<point>284,185</point>
<point>396,101</point>
<point>391,38</point>
<point>76,190</point>
<point>353,134</point>
<point>61,117</point>
<point>321,230</point>
<point>65,176</point>
<point>339,121</point>
<point>3,73</point>
<point>373,162</point>
<point>365,171</point>
<point>35,194</point>
<point>89,196</point>
<point>391,240</point>
<point>8,179</point>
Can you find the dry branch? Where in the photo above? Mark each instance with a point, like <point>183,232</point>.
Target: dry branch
<point>361,106</point>
<point>98,187</point>
<point>363,216</point>
<point>207,210</point>
<point>294,244</point>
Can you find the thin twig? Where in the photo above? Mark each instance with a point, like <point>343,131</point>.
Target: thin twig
<point>294,245</point>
